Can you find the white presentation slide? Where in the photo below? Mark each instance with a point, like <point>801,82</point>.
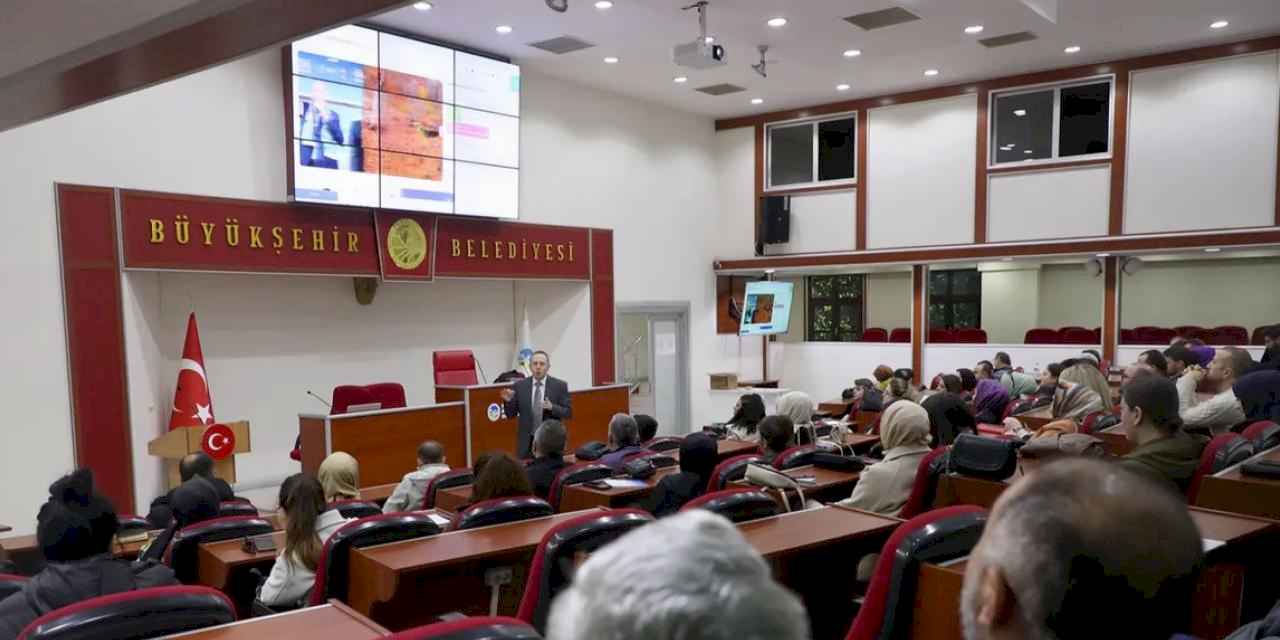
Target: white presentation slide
<point>434,193</point>
<point>491,138</point>
<point>485,190</point>
<point>484,83</point>
<point>334,186</point>
<point>338,55</point>
<point>416,68</point>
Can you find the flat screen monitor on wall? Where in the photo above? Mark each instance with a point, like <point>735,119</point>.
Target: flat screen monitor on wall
<point>766,308</point>
<point>379,120</point>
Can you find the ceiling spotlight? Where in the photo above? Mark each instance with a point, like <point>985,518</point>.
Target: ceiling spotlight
<point>1006,259</point>
<point>977,28</point>
<point>1075,48</point>
<point>422,6</point>
<point>1019,112</point>
<point>604,4</point>
<point>931,72</point>
<point>558,5</point>
<point>611,60</point>
<point>757,100</point>
<point>1212,249</point>
<point>708,39</point>
<point>679,79</point>
<point>852,53</point>
<point>780,22</point>
<point>503,29</point>
<point>1104,255</point>
<point>842,87</point>
<point>1219,24</point>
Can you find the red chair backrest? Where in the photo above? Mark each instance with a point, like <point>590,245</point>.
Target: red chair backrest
<point>446,480</point>
<point>1221,452</point>
<point>970,335</point>
<point>575,473</point>
<point>389,394</point>
<point>1163,336</point>
<point>875,334</point>
<point>739,504</point>
<point>454,367</point>
<point>796,456</point>
<point>355,508</point>
<point>731,469</point>
<point>501,511</point>
<point>900,335</point>
<point>350,394</point>
<point>1127,336</point>
<point>1040,336</point>
<point>1228,335</point>
<point>941,335</point>
<point>663,443</point>
<point>1075,335</point>
<point>141,613</point>
<point>331,572</point>
<point>181,553</point>
<point>922,490</point>
<point>474,628</point>
<point>1258,337</point>
<point>1188,331</point>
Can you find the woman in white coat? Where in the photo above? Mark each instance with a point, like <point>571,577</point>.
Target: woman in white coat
<point>884,487</point>
<point>307,527</point>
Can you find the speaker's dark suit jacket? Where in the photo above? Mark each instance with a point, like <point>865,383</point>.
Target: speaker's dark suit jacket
<point>555,390</point>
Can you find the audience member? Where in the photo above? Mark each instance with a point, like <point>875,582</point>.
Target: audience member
<point>498,475</point>
<point>883,374</point>
<point>1136,370</point>
<point>989,402</point>
<point>624,440</point>
<point>884,487</point>
<point>797,406</point>
<point>948,418</point>
<point>951,383</point>
<point>340,476</point>
<point>647,427</point>
<point>307,526</point>
<point>707,583</point>
<point>192,502</point>
<point>869,397</point>
<point>548,456</point>
<point>1270,341</point>
<point>1162,450</point>
<point>968,382</point>
<point>1003,365</point>
<point>1018,384</point>
<point>1177,358</point>
<point>746,415</point>
<point>1073,398</point>
<point>1049,379</point>
<point>1086,375</point>
<point>408,495</point>
<point>1259,395</point>
<point>1093,356</point>
<point>1204,354</point>
<point>984,370</point>
<point>1156,360</point>
<point>776,435</point>
<point>698,458</point>
<point>74,530</point>
<point>901,389</point>
<point>1067,553</point>
<point>904,373</point>
<point>197,464</point>
<point>1223,410</point>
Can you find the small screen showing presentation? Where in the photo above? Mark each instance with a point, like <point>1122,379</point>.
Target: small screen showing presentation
<point>384,121</point>
<point>766,308</point>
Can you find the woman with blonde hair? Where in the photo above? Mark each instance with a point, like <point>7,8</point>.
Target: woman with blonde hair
<point>340,476</point>
<point>884,487</point>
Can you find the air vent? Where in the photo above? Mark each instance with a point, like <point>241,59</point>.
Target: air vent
<point>720,89</point>
<point>881,19</point>
<point>562,45</point>
<point>1008,39</point>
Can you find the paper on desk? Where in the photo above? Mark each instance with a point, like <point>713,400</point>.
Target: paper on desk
<point>1210,545</point>
<point>625,483</point>
<point>439,519</point>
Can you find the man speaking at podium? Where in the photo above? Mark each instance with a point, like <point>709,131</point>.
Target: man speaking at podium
<point>535,399</point>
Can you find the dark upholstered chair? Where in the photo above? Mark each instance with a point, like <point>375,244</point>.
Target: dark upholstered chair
<point>665,443</point>
<point>575,474</point>
<point>925,487</point>
<point>142,613</point>
<point>446,480</point>
<point>331,574</point>
<point>181,554</point>
<point>796,457</point>
<point>875,334</point>
<point>734,468</point>
<point>355,508</point>
<point>739,504</point>
<point>1221,452</point>
<point>502,510</point>
<point>900,335</point>
<point>236,508</point>
<point>1264,435</point>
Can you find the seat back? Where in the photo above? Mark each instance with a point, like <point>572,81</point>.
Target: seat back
<point>502,510</point>
<point>355,508</point>
<point>1162,336</point>
<point>331,573</point>
<point>900,334</point>
<point>1087,425</point>
<point>660,459</point>
<point>941,335</point>
<point>739,504</point>
<point>446,480</point>
<point>1127,336</point>
<point>1075,335</point>
<point>665,443</point>
<point>1258,338</point>
<point>349,394</point>
<point>142,613</point>
<point>925,486</point>
<point>236,508</point>
<point>1040,336</point>
<point>875,334</point>
<point>574,474</point>
<point>11,584</point>
<point>554,561</point>
<point>796,457</point>
<point>731,469</point>
<point>970,335</point>
<point>937,536</point>
<point>389,394</point>
<point>477,628</point>
<point>181,554</point>
<point>1228,335</point>
<point>1221,452</point>
<point>132,523</point>
<point>1188,331</point>
<point>454,367</point>
<point>1264,435</point>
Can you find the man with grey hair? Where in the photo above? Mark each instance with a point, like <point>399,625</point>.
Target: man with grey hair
<point>1082,549</point>
<point>548,456</point>
<point>624,440</point>
<point>707,583</point>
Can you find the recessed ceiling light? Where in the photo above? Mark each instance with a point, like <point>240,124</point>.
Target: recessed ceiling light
<point>1218,24</point>
<point>503,29</point>
<point>1212,249</point>
<point>422,6</point>
<point>757,100</point>
<point>1104,255</point>
<point>852,53</point>
<point>1019,112</point>
<point>1012,145</point>
<point>709,39</point>
<point>1026,151</point>
<point>611,60</point>
<point>977,28</point>
<point>679,79</point>
<point>1075,48</point>
<point>842,87</point>
<point>777,22</point>
<point>604,4</point>
<point>1006,259</point>
<point>931,72</point>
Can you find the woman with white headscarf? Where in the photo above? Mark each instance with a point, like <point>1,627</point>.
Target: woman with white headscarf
<point>798,406</point>
<point>1081,391</point>
<point>885,486</point>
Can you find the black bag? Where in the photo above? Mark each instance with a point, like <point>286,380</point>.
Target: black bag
<point>1261,469</point>
<point>837,462</point>
<point>662,461</point>
<point>983,457</point>
<point>591,451</point>
<point>641,469</point>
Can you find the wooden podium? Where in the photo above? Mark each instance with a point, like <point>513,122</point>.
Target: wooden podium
<point>176,444</point>
<point>384,442</point>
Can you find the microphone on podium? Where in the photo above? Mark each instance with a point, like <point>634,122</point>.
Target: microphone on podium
<point>483,377</point>
<point>319,398</point>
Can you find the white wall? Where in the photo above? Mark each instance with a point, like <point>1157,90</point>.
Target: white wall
<point>1207,293</point>
<point>1048,205</point>
<point>921,165</point>
<point>734,156</point>
<point>1070,297</point>
<point>822,221</point>
<point>1010,303</point>
<point>888,298</point>
<point>1202,145</point>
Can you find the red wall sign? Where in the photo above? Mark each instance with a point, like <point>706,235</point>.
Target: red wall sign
<point>404,244</point>
<point>496,249</point>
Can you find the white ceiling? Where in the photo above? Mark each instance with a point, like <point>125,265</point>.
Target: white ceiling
<point>808,49</point>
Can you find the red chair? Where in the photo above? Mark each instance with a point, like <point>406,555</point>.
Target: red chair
<point>900,335</point>
<point>1075,335</point>
<point>502,511</point>
<point>552,564</point>
<point>1188,331</point>
<point>331,572</point>
<point>1162,336</point>
<point>478,628</point>
<point>970,335</point>
<point>665,443</point>
<point>356,508</point>
<point>1221,452</point>
<point>1264,435</point>
<point>389,394</point>
<point>11,584</point>
<point>1086,425</point>
<point>575,474</point>
<point>1097,335</point>
<point>181,554</point>
<point>141,613</point>
<point>1127,336</point>
<point>925,487</point>
<point>454,367</point>
<point>1040,336</point>
<point>731,469</point>
<point>937,536</point>
<point>941,336</point>
<point>1258,338</point>
<point>875,334</point>
<point>796,456</point>
<point>447,480</point>
<point>1230,335</point>
<point>739,504</point>
<point>344,396</point>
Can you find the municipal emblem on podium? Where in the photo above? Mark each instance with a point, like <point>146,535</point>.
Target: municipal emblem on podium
<point>494,412</point>
<point>407,244</point>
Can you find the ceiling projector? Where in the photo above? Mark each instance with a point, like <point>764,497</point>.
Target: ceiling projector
<point>698,55</point>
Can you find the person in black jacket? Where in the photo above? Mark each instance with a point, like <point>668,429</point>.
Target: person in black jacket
<point>193,501</point>
<point>197,464</point>
<point>697,460</point>
<point>75,530</point>
<point>548,451</point>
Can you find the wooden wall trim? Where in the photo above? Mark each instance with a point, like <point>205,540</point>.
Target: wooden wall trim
<point>980,172</point>
<point>1119,152</point>
<point>919,311</point>
<point>1110,308</point>
<point>1048,166</point>
<point>759,186</point>
<point>860,199</point>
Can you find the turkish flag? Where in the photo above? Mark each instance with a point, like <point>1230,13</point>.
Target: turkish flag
<point>192,404</point>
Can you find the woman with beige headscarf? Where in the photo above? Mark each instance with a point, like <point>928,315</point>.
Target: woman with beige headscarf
<point>340,476</point>
<point>798,406</point>
<point>1081,391</point>
<point>885,486</point>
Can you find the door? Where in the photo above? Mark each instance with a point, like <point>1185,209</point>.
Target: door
<point>653,353</point>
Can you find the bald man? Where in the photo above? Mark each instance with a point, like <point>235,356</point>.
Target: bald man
<point>1068,553</point>
<point>1222,411</point>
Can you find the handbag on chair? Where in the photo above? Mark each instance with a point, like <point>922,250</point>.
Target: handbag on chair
<point>982,457</point>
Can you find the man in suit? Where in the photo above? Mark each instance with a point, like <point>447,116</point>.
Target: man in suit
<point>535,399</point>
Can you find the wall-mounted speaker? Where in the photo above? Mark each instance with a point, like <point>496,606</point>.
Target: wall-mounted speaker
<point>1130,266</point>
<point>1093,267</point>
<point>775,219</point>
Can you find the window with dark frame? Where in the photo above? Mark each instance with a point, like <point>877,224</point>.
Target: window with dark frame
<point>1060,122</point>
<point>810,153</point>
<point>835,308</point>
<point>955,299</point>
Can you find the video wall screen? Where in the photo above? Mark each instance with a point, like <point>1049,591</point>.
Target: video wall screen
<point>385,121</point>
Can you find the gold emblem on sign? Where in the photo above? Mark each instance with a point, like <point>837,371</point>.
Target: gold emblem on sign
<point>407,243</point>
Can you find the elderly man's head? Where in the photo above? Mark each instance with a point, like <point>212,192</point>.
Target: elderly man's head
<point>706,583</point>
<point>623,431</point>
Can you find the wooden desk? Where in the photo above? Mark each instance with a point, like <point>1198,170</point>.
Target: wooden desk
<point>1036,418</point>
<point>861,442</point>
<point>453,498</point>
<point>829,485</point>
<point>378,493</point>
<point>406,584</point>
<point>865,419</point>
<point>1233,491</point>
<point>834,407</point>
<point>729,448</point>
<point>25,553</point>
<point>577,497</point>
<point>333,620</point>
<point>1115,441</point>
<point>935,613</point>
<point>384,442</point>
